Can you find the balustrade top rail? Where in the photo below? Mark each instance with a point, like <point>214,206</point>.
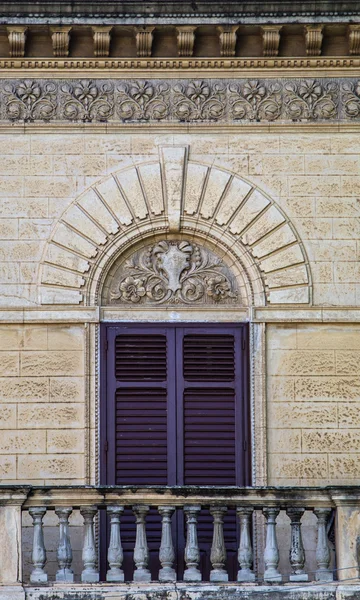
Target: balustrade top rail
<point>258,497</point>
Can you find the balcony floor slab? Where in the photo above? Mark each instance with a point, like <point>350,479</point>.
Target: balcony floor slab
<point>183,591</point>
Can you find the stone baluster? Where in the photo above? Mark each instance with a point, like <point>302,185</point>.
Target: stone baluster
<point>115,553</point>
<point>271,554</point>
<point>90,574</point>
<point>323,572</point>
<point>192,552</point>
<point>166,554</point>
<point>64,552</point>
<point>297,553</point>
<point>141,551</point>
<point>218,550</point>
<point>245,553</point>
<point>38,556</point>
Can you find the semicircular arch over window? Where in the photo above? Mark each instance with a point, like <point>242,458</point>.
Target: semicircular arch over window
<point>172,204</point>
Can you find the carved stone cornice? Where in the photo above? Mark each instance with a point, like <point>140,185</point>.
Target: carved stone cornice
<point>185,40</point>
<point>102,37</point>
<point>17,40</point>
<point>60,37</point>
<point>271,39</point>
<point>178,101</point>
<point>313,39</point>
<point>144,40</point>
<point>354,39</point>
<point>113,67</point>
<point>227,39</point>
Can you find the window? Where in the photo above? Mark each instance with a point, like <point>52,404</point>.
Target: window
<point>175,412</point>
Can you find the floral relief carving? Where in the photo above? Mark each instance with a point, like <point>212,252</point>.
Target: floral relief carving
<point>142,100</point>
<point>173,272</point>
<point>199,100</point>
<point>311,99</point>
<point>184,100</point>
<point>255,101</point>
<point>351,99</point>
<point>29,100</point>
<point>88,101</point>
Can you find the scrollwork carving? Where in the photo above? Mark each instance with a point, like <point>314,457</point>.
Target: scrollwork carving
<point>351,99</point>
<point>199,100</point>
<point>173,272</point>
<point>255,101</point>
<point>311,99</point>
<point>29,100</point>
<point>141,100</point>
<point>87,100</point>
<point>184,100</point>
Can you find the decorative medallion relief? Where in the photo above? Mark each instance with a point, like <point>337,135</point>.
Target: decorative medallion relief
<point>173,272</point>
<point>181,100</point>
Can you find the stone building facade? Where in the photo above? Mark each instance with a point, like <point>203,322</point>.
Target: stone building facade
<point>234,130</point>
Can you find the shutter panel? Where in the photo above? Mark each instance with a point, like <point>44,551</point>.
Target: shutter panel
<point>211,389</point>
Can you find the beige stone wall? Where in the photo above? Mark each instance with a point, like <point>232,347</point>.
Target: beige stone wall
<point>313,404</point>
<point>315,178</point>
<point>42,404</point>
<point>312,370</point>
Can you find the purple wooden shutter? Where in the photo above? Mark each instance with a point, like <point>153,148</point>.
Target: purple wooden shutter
<point>211,422</point>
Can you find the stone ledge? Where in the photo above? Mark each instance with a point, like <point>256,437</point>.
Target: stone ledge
<point>183,591</point>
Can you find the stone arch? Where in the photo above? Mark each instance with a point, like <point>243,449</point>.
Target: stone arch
<point>169,196</point>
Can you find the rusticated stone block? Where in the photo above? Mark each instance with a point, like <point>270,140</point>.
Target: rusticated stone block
<point>61,441</point>
<point>302,362</point>
<point>327,388</point>
<point>340,440</point>
<point>348,363</point>
<point>281,389</point>
<point>24,389</point>
<point>349,414</point>
<point>61,337</point>
<point>344,466</point>
<point>66,389</point>
<point>51,466</point>
<point>9,363</point>
<point>40,416</point>
<point>52,363</point>
<point>7,467</point>
<point>22,442</point>
<point>305,466</point>
<point>284,440</point>
<point>305,414</point>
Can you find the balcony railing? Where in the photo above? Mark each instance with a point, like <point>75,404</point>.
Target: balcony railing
<point>294,503</point>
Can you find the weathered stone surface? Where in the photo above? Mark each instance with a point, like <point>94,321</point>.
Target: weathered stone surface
<point>24,389</point>
<point>327,388</point>
<point>340,440</point>
<point>302,362</point>
<point>51,466</point>
<point>302,414</point>
<point>305,466</point>
<point>52,363</point>
<point>40,416</point>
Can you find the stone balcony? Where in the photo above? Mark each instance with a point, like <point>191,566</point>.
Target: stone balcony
<point>50,543</point>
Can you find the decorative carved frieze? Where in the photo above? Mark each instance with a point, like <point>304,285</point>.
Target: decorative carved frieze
<point>60,37</point>
<point>144,40</point>
<point>102,38</point>
<point>227,39</point>
<point>354,39</point>
<point>173,272</point>
<point>17,39</point>
<point>185,40</point>
<point>313,39</point>
<point>271,39</point>
<point>181,100</point>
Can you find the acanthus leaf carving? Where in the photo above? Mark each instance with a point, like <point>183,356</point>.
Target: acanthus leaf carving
<point>29,100</point>
<point>86,100</point>
<point>255,101</point>
<point>141,100</point>
<point>351,99</point>
<point>199,100</point>
<point>311,99</point>
<point>173,272</point>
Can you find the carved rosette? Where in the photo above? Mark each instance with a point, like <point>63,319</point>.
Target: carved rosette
<point>254,101</point>
<point>311,100</point>
<point>173,272</point>
<point>199,100</point>
<point>29,100</point>
<point>87,101</point>
<point>143,101</point>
